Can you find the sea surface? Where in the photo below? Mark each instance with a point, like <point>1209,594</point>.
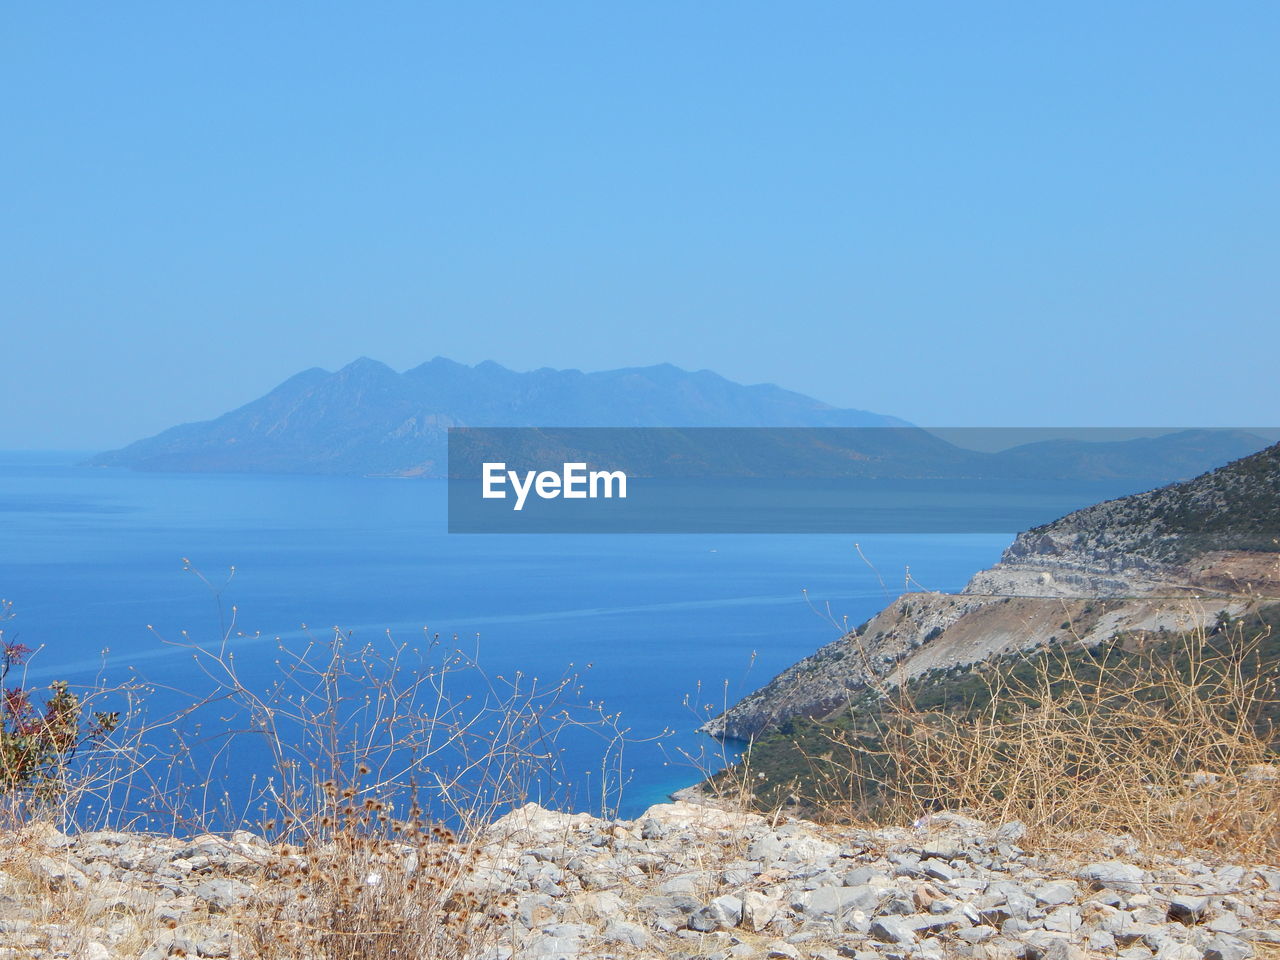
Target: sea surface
<point>657,627</point>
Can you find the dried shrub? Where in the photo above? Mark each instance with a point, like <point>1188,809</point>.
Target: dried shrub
<point>1169,744</point>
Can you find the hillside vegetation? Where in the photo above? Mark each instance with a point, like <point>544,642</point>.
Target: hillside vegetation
<point>1065,737</point>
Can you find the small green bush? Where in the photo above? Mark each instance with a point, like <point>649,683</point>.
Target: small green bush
<point>39,739</point>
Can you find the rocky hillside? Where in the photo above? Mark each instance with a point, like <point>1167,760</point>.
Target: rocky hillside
<point>1236,507</point>
<point>682,881</point>
<point>1168,560</point>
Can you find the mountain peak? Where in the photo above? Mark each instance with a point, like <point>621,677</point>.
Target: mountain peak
<point>367,365</point>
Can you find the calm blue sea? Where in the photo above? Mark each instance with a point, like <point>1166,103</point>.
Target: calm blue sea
<point>90,557</point>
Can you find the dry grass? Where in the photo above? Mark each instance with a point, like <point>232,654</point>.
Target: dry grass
<point>1168,746</point>
<point>387,759</point>
<point>371,890</point>
<point>378,763</point>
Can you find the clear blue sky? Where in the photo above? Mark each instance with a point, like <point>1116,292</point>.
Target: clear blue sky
<point>987,213</point>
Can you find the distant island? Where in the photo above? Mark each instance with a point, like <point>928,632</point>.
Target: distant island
<point>368,420</point>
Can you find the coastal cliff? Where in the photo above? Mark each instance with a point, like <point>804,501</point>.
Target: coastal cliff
<point>1168,560</point>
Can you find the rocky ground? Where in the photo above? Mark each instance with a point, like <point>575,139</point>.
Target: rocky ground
<point>685,880</point>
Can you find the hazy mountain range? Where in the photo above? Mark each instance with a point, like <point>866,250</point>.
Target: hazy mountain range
<point>367,419</point>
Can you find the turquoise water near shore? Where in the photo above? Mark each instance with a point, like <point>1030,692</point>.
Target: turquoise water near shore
<point>91,557</point>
